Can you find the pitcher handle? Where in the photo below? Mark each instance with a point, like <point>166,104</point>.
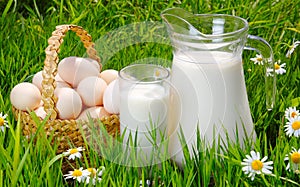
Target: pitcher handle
<point>261,46</point>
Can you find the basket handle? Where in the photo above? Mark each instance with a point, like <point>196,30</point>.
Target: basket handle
<point>52,60</point>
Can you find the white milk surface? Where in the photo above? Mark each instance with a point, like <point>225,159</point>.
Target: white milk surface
<point>213,97</point>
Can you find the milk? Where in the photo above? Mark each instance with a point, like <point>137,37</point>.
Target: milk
<point>212,97</point>
<point>143,108</point>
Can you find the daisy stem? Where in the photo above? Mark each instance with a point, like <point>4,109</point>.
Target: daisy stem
<point>264,179</point>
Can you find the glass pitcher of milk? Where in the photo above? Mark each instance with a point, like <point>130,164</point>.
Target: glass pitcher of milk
<point>208,75</point>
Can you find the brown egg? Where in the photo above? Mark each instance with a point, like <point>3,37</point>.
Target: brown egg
<point>69,104</point>
<point>58,78</point>
<point>109,75</point>
<point>74,69</point>
<point>93,112</point>
<point>62,84</point>
<point>25,96</point>
<point>91,90</point>
<point>37,80</point>
<point>40,112</point>
<point>111,98</point>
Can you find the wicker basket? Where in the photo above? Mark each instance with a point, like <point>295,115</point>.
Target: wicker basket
<point>66,131</point>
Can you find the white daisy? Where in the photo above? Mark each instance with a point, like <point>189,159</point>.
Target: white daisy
<point>292,48</point>
<point>78,174</point>
<point>95,175</point>
<point>293,126</point>
<point>73,153</point>
<point>3,122</point>
<point>279,68</point>
<point>270,72</point>
<point>253,165</point>
<point>291,112</point>
<point>148,183</point>
<point>294,159</point>
<point>258,60</point>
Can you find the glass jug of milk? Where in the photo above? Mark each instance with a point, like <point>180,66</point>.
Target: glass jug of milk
<point>208,75</point>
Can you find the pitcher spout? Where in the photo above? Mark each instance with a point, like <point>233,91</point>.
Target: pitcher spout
<point>180,21</point>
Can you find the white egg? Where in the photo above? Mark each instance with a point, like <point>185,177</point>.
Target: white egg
<point>93,112</point>
<point>91,90</point>
<point>109,75</point>
<point>69,104</point>
<point>25,96</point>
<point>111,98</point>
<point>74,69</point>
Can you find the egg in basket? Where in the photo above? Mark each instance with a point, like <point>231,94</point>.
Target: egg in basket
<point>70,91</point>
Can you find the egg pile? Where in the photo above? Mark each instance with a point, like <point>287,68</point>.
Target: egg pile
<point>81,91</point>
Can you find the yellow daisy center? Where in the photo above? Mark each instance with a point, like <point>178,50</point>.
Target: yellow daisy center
<point>293,114</point>
<point>259,59</point>
<point>73,151</point>
<point>277,66</point>
<point>1,121</point>
<point>257,165</point>
<point>92,171</point>
<point>296,125</point>
<point>295,157</point>
<point>77,173</point>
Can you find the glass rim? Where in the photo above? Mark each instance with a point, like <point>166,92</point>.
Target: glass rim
<point>244,28</point>
<point>122,74</point>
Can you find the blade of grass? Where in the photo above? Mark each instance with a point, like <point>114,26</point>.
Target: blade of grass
<point>8,5</point>
<point>16,155</point>
<point>61,10</point>
<point>17,164</point>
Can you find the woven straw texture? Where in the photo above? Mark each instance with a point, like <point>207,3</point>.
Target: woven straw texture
<point>66,132</point>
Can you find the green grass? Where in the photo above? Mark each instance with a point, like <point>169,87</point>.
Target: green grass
<point>23,39</point>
